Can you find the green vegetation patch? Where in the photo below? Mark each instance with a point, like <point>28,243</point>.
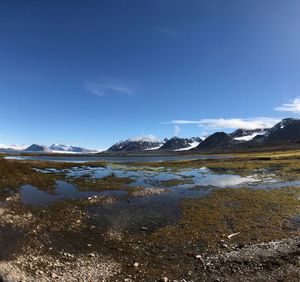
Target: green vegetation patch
<point>14,174</point>
<point>110,182</point>
<point>176,182</point>
<point>259,215</point>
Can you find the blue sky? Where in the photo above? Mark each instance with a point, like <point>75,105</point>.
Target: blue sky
<point>90,72</point>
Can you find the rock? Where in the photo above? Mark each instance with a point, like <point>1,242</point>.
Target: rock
<point>164,279</point>
<point>54,275</point>
<point>224,246</point>
<point>136,264</point>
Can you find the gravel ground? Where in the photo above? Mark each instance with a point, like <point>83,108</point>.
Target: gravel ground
<point>71,268</point>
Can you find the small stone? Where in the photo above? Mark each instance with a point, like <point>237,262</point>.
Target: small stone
<point>136,264</point>
<point>54,275</point>
<point>164,279</point>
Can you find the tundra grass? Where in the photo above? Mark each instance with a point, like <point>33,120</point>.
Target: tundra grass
<point>14,174</point>
<point>258,215</point>
<point>110,182</point>
<point>176,182</point>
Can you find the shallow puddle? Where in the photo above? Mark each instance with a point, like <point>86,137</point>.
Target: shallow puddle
<point>295,222</point>
<point>150,178</point>
<point>31,195</point>
<point>142,214</point>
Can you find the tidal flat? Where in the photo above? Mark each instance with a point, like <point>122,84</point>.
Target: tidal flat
<point>231,218</point>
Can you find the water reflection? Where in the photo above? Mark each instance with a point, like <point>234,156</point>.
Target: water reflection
<point>31,195</point>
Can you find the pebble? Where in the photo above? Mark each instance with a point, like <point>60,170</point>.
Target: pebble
<point>54,275</point>
<point>136,264</point>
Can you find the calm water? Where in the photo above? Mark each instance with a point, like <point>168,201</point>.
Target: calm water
<point>155,177</point>
<point>200,183</point>
<point>64,191</point>
<point>117,159</point>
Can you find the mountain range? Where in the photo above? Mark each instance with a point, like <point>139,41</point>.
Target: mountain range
<point>286,131</point>
<point>36,148</point>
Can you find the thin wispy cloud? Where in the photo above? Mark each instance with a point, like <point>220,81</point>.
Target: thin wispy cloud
<point>177,130</point>
<point>107,88</point>
<point>166,31</point>
<point>293,106</point>
<point>251,123</point>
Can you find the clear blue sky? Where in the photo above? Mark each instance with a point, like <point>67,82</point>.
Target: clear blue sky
<point>91,72</point>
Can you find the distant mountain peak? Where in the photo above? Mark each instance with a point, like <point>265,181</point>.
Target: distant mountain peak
<point>217,140</point>
<point>37,148</point>
<point>180,144</point>
<point>146,138</point>
<point>137,144</point>
<point>287,129</point>
<point>57,148</point>
<point>69,148</point>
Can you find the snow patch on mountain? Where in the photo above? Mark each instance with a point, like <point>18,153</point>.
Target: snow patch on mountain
<point>249,137</point>
<point>146,138</point>
<point>154,148</point>
<point>136,144</point>
<point>192,145</point>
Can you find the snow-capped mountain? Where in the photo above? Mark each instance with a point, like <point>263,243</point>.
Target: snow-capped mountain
<point>13,147</point>
<point>37,148</point>
<point>137,144</point>
<point>69,149</point>
<point>57,148</point>
<point>180,144</point>
<point>244,135</point>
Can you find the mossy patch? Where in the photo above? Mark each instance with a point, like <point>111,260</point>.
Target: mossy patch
<point>259,215</point>
<point>110,182</point>
<point>176,182</point>
<point>14,174</point>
